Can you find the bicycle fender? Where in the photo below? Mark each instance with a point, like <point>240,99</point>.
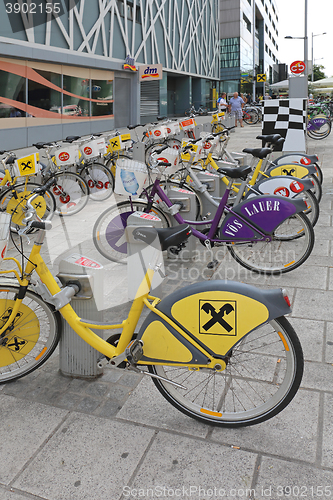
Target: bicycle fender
<point>283,185</point>
<point>298,158</point>
<point>206,317</point>
<point>264,212</point>
<point>292,169</point>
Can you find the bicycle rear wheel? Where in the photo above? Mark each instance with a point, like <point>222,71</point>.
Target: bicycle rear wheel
<point>99,179</point>
<point>109,229</point>
<point>263,374</point>
<point>34,335</point>
<point>251,116</point>
<point>291,245</point>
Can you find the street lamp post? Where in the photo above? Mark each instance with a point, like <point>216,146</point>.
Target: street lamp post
<point>312,59</point>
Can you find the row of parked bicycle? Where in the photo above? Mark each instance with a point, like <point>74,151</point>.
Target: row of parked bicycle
<point>98,166</point>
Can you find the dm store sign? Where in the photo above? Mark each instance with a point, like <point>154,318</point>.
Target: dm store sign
<point>150,72</point>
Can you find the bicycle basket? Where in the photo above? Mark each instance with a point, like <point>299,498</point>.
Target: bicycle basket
<point>169,155</point>
<point>92,149</point>
<point>196,149</point>
<point>120,142</point>
<point>67,156</point>
<point>188,124</point>
<point>131,176</point>
<point>172,128</point>
<point>159,132</point>
<point>27,165</point>
<point>5,219</point>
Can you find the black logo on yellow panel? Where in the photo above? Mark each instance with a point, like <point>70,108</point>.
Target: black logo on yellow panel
<point>217,317</point>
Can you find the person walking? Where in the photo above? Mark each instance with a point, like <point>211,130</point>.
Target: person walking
<point>236,105</point>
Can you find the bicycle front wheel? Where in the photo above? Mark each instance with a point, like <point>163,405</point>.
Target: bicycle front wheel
<point>32,337</point>
<point>71,193</point>
<point>263,374</point>
<point>99,179</point>
<point>291,245</point>
<point>109,229</point>
<point>13,201</point>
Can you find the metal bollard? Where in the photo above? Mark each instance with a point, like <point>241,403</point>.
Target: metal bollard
<point>77,358</point>
<point>139,254</point>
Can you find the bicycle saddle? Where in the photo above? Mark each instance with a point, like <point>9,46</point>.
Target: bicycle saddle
<point>258,152</point>
<point>72,138</point>
<point>169,237</point>
<point>269,138</point>
<point>41,145</point>
<point>131,127</point>
<point>235,172</point>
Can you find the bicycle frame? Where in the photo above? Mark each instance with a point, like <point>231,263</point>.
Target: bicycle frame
<point>83,328</point>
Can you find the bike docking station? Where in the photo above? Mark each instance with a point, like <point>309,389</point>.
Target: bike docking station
<point>140,253</point>
<point>184,203</point>
<point>77,358</point>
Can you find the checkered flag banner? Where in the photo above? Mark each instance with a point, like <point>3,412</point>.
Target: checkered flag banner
<point>286,117</point>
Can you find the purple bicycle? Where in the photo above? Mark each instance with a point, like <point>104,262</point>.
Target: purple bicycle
<point>267,234</point>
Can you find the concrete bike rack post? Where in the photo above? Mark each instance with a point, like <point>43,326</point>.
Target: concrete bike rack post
<point>77,358</point>
<point>139,152</point>
<point>188,210</point>
<point>139,254</point>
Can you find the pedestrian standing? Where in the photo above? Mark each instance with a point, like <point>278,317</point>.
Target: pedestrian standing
<point>236,105</point>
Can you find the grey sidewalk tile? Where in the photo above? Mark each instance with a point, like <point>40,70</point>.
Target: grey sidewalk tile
<point>318,376</point>
<point>290,434</point>
<point>186,468</point>
<point>329,343</point>
<point>311,336</point>
<point>26,426</point>
<point>88,458</point>
<point>313,304</point>
<point>290,480</point>
<point>327,447</point>
<point>13,495</point>
<point>320,249</point>
<point>146,406</point>
<point>330,278</point>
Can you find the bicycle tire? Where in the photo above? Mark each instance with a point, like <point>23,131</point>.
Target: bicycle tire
<point>99,179</point>
<point>312,210</point>
<point>292,244</point>
<point>251,116</point>
<point>317,190</point>
<point>109,229</point>
<point>34,337</point>
<point>71,193</point>
<point>45,204</point>
<point>248,391</point>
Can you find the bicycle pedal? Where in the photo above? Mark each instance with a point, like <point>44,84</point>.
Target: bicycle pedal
<point>134,351</point>
<point>211,265</point>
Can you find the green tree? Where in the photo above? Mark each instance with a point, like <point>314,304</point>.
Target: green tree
<point>318,72</point>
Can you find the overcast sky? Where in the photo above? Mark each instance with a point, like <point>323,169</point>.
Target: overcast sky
<point>291,22</point>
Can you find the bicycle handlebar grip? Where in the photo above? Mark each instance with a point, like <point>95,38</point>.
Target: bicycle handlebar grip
<point>159,151</point>
<point>46,225</point>
<point>10,160</point>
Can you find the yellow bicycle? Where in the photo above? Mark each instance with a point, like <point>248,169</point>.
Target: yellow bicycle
<point>221,352</point>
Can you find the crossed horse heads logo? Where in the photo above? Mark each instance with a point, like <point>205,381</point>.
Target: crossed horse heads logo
<point>27,165</point>
<point>218,318</point>
<point>288,172</point>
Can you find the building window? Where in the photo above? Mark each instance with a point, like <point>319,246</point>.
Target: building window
<point>266,28</point>
<point>247,23</point>
<point>12,88</point>
<point>131,10</point>
<point>266,48</point>
<point>266,9</point>
<point>229,53</point>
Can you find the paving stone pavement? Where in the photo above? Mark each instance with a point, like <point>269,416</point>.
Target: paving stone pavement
<point>115,437</point>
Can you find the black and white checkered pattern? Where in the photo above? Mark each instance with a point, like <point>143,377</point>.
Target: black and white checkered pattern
<point>286,117</point>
